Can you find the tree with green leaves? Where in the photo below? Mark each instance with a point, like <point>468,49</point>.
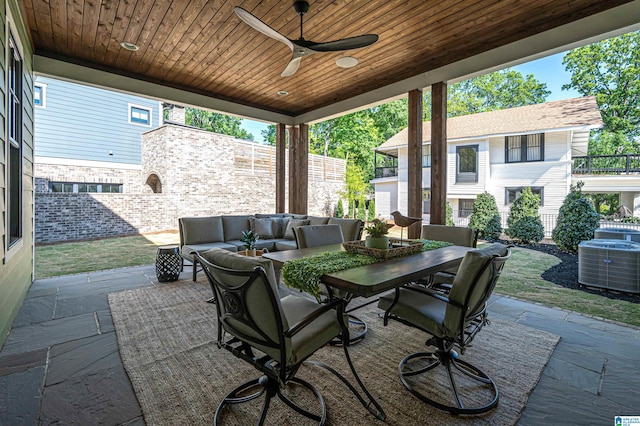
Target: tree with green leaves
<point>362,210</point>
<point>489,92</point>
<point>610,71</point>
<point>485,217</point>
<point>214,122</point>
<point>339,209</point>
<point>524,224</point>
<point>577,220</point>
<point>371,212</point>
<point>449,214</point>
<point>355,187</point>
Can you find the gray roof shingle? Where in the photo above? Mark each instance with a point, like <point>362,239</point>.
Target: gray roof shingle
<point>564,114</point>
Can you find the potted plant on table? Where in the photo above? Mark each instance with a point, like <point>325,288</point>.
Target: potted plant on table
<point>249,239</point>
<point>377,234</point>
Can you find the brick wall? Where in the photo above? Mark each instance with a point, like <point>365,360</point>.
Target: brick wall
<point>201,173</point>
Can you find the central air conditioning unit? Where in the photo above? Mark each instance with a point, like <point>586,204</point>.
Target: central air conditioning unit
<point>610,264</point>
<point>617,234</point>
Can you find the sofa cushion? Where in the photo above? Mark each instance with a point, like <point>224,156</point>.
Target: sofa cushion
<point>263,215</point>
<point>234,226</point>
<point>279,225</point>
<point>293,223</point>
<point>351,228</point>
<point>286,245</point>
<point>262,227</point>
<point>186,250</point>
<point>202,230</point>
<point>315,220</point>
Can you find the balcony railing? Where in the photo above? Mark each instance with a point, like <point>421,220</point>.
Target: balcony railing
<point>606,164</point>
<point>383,172</point>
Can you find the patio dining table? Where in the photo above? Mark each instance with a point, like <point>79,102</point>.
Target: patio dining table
<point>376,278</point>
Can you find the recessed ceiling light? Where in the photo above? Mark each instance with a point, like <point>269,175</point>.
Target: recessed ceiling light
<point>129,46</point>
<point>347,62</point>
<point>282,93</point>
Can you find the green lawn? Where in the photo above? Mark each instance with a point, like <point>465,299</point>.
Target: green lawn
<point>521,277</point>
<point>109,253</point>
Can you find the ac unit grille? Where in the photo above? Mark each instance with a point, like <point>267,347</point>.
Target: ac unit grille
<point>610,264</point>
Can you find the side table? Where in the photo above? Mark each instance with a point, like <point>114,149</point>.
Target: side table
<point>168,263</point>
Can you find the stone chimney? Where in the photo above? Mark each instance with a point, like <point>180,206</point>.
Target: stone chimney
<point>176,114</point>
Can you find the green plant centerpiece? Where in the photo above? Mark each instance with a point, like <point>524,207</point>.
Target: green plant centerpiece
<point>377,234</point>
<point>249,239</point>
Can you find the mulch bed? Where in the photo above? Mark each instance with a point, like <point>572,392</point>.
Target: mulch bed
<point>566,272</point>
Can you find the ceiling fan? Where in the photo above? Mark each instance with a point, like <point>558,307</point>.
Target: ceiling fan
<point>302,47</point>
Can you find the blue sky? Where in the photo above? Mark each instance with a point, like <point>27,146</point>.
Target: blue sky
<point>548,70</point>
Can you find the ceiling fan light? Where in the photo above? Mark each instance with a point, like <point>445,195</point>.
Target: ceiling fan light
<point>282,93</point>
<point>347,62</point>
<point>129,46</point>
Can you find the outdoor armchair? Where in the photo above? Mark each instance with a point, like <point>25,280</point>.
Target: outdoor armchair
<point>274,335</point>
<point>453,320</point>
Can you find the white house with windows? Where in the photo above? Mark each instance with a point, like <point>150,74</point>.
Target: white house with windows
<point>500,152</point>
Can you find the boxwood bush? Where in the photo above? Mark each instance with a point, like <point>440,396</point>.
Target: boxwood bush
<point>577,220</point>
<point>524,224</point>
<point>486,217</point>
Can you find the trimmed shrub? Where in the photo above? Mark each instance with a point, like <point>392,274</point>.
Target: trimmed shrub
<point>362,210</point>
<point>340,209</point>
<point>524,224</point>
<point>486,217</point>
<point>449,215</point>
<point>577,220</point>
<point>371,214</point>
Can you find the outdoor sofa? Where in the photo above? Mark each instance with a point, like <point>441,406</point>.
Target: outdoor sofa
<point>198,234</point>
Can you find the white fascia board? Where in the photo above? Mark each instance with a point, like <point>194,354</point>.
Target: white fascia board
<point>74,73</point>
<point>610,23</point>
<point>84,163</point>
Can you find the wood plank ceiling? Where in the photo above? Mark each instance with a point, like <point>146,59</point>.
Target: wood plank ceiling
<point>203,47</point>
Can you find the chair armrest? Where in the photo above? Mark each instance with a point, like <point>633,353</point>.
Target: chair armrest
<point>296,328</point>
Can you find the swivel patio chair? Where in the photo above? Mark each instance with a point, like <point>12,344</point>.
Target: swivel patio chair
<point>321,235</point>
<point>274,335</point>
<point>453,321</point>
<point>458,235</point>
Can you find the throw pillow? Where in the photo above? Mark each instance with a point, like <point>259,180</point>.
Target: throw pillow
<point>263,228</point>
<point>279,225</point>
<point>293,223</point>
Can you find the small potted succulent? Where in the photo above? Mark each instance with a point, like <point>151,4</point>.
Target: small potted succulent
<point>377,234</point>
<point>249,239</point>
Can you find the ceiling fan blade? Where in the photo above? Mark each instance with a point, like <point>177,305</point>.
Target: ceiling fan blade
<point>258,25</point>
<point>293,66</point>
<point>343,44</point>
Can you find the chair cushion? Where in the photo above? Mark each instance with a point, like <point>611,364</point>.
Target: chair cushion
<point>234,226</point>
<point>293,223</point>
<point>468,279</point>
<point>262,227</point>
<point>318,235</point>
<point>316,335</point>
<point>351,228</point>
<point>421,310</point>
<point>198,230</point>
<point>458,235</point>
<point>315,220</point>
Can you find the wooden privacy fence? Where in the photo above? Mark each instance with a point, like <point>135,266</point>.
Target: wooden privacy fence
<point>252,158</point>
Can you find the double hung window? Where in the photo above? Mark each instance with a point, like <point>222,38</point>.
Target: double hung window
<point>523,148</point>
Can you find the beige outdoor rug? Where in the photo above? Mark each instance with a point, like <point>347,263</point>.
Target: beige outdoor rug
<point>167,333</point>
